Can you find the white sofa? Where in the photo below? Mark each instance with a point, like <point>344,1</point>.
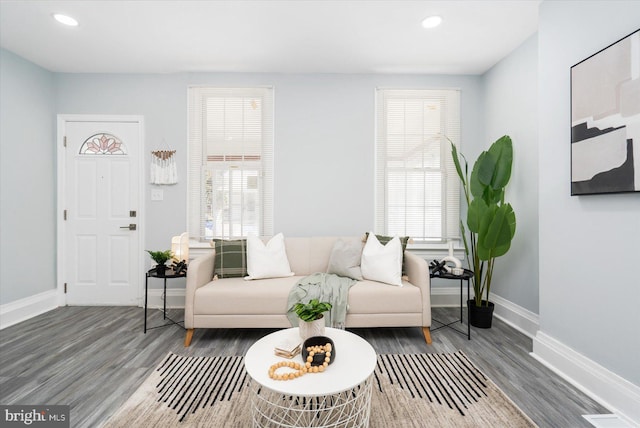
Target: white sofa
<point>236,303</point>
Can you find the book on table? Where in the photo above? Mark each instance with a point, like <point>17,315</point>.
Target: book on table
<point>287,349</point>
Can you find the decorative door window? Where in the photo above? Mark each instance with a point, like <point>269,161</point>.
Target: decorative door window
<point>103,144</point>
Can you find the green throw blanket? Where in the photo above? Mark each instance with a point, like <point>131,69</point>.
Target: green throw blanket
<point>326,287</point>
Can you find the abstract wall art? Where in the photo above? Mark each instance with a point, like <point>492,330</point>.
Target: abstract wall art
<point>605,120</point>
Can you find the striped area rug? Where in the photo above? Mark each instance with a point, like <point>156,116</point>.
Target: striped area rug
<point>410,390</point>
<point>448,380</point>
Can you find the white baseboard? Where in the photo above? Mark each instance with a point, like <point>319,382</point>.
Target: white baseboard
<point>614,392</point>
<point>448,296</point>
<point>23,309</point>
<point>175,298</point>
<point>516,316</point>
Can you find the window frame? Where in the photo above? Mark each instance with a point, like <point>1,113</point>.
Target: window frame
<point>449,131</point>
<point>198,155</point>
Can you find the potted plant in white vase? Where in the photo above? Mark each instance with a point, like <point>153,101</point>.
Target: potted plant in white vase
<point>311,318</point>
<point>491,222</point>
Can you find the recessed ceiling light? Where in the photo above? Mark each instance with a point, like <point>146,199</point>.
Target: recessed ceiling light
<point>66,20</point>
<point>432,21</point>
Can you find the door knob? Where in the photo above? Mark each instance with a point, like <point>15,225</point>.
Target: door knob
<point>130,227</point>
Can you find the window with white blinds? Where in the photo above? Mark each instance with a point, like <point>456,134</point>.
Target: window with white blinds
<point>230,162</point>
<point>417,188</point>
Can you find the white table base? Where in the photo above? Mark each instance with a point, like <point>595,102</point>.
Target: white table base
<point>349,408</point>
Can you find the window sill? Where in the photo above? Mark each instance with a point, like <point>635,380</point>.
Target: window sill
<point>199,244</point>
<point>198,248</point>
<point>435,251</point>
<point>428,252</point>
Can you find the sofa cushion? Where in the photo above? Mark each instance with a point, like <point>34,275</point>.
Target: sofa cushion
<point>267,260</point>
<point>235,296</point>
<point>231,258</point>
<point>382,262</point>
<point>345,258</point>
<point>298,253</point>
<point>371,297</point>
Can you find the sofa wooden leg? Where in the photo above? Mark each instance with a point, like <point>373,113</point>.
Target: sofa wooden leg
<point>427,335</point>
<point>188,337</point>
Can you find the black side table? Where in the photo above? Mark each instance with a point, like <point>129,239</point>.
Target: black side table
<point>168,274</point>
<point>467,275</point>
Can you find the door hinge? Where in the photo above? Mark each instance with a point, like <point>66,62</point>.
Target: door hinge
<point>65,215</point>
<point>65,141</point>
<point>65,288</point>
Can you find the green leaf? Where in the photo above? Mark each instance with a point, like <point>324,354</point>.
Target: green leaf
<point>312,310</point>
<point>488,195</point>
<point>502,152</point>
<point>492,171</point>
<point>486,167</point>
<point>463,232</point>
<point>475,184</point>
<point>510,219</point>
<point>475,213</point>
<point>160,257</point>
<point>496,231</point>
<point>456,161</point>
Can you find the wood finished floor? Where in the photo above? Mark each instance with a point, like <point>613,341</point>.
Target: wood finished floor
<point>94,358</point>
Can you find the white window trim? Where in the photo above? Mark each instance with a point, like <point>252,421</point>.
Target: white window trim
<point>451,185</point>
<point>195,95</point>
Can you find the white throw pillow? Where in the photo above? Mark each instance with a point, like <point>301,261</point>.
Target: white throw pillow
<point>382,263</point>
<point>267,260</point>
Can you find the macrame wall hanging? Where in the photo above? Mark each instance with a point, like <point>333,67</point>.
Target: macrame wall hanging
<point>163,167</point>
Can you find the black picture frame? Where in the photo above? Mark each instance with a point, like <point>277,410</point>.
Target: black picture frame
<point>605,120</point>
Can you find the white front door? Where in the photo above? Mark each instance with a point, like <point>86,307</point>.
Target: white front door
<point>101,210</point>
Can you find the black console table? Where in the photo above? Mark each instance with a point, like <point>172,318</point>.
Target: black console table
<point>467,275</point>
<point>167,274</point>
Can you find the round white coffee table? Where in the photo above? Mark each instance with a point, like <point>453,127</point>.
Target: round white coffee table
<point>338,397</point>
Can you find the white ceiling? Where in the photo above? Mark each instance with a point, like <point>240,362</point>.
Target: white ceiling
<point>295,36</point>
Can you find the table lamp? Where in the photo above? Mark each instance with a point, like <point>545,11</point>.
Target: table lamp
<point>180,247</point>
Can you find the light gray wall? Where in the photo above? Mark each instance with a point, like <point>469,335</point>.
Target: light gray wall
<point>324,139</point>
<point>510,95</point>
<point>589,252</point>
<point>27,179</point>
<point>324,151</point>
<point>162,100</point>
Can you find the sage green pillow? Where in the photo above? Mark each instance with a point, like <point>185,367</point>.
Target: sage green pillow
<point>231,258</point>
<point>345,258</point>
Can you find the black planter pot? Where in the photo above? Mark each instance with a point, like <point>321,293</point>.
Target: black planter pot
<point>161,269</point>
<point>480,316</point>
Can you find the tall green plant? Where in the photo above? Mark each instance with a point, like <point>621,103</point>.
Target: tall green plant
<point>491,222</point>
